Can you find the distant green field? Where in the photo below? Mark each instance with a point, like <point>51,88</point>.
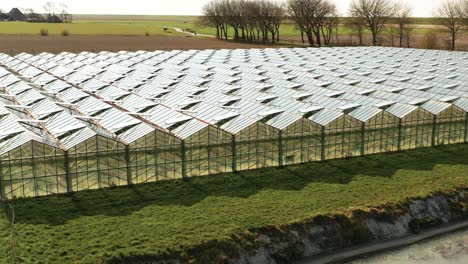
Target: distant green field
<point>110,28</point>
<point>175,216</point>
<point>138,25</point>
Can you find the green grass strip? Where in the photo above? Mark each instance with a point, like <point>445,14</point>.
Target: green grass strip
<point>157,218</point>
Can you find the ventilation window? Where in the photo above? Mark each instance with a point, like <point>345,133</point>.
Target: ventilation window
<point>267,99</point>
<point>404,79</point>
<point>125,129</point>
<point>451,76</point>
<point>451,86</point>
<point>177,123</point>
<point>266,116</point>
<point>366,92</point>
<point>423,88</point>
<point>395,90</point>
<point>349,108</point>
<point>335,94</point>
<point>199,92</point>
<point>310,111</point>
<point>262,79</point>
<point>9,135</point>
<point>99,111</point>
<point>69,133</point>
<point>295,86</point>
<point>74,101</point>
<point>384,105</point>
<point>188,106</point>
<point>146,109</point>
<point>221,120</point>
<point>201,83</point>
<point>229,102</point>
<point>378,81</point>
<point>354,82</point>
<point>418,101</point>
<point>49,115</point>
<point>231,90</point>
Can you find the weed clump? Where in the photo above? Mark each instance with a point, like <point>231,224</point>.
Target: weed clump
<point>44,32</point>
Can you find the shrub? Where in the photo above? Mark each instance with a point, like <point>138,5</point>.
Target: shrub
<point>147,34</point>
<point>44,32</point>
<point>65,33</point>
<point>431,40</point>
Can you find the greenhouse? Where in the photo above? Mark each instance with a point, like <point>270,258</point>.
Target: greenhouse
<point>72,122</point>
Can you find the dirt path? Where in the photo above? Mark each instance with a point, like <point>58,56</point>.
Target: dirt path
<point>13,44</point>
<point>179,30</point>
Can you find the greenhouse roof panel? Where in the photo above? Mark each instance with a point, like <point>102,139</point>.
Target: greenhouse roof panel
<point>182,92</point>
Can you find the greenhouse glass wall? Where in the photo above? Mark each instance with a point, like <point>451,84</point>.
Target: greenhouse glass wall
<point>72,122</point>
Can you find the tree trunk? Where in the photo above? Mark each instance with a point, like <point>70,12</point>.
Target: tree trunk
<point>310,37</point>
<point>401,35</point>
<point>453,40</point>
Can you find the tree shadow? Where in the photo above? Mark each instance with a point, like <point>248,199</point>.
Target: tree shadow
<point>56,210</point>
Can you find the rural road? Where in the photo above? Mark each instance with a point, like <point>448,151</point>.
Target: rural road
<point>179,30</point>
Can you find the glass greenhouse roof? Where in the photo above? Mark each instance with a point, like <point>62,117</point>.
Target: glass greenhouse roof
<point>126,95</point>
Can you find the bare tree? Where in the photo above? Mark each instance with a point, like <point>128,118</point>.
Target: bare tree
<point>391,32</point>
<point>63,13</point>
<point>376,14</point>
<point>431,40</point>
<point>403,16</point>
<point>214,15</point>
<point>312,16</point>
<point>408,36</point>
<point>450,17</point>
<point>357,25</point>
<point>50,8</point>
<point>330,26</point>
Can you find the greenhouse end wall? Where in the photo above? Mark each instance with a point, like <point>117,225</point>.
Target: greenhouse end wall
<point>35,169</point>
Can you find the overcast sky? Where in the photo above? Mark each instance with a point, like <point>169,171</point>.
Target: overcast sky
<point>422,8</point>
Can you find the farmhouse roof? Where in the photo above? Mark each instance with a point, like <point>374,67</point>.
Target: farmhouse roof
<point>17,15</point>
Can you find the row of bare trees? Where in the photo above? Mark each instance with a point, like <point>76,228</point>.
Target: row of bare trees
<point>248,20</point>
<point>260,20</point>
<point>318,20</point>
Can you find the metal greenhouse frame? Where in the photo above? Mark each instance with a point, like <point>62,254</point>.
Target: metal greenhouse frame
<point>72,122</point>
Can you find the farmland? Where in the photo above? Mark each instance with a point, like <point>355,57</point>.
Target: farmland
<point>125,32</point>
<point>175,216</point>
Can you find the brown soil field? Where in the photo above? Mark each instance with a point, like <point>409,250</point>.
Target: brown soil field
<point>14,44</point>
<point>418,41</point>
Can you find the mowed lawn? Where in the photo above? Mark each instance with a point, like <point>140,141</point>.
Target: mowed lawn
<point>152,219</point>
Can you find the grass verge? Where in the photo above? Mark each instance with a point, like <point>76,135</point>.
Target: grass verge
<point>164,217</point>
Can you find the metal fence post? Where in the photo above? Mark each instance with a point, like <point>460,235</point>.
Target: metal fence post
<point>399,134</point>
<point>322,146</point>
<point>434,126</point>
<point>363,127</point>
<point>127,160</point>
<point>466,128</point>
<point>1,181</point>
<point>184,161</point>
<point>67,173</point>
<point>234,154</point>
<point>280,148</point>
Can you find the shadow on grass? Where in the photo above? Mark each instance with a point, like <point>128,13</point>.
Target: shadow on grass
<point>123,201</point>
